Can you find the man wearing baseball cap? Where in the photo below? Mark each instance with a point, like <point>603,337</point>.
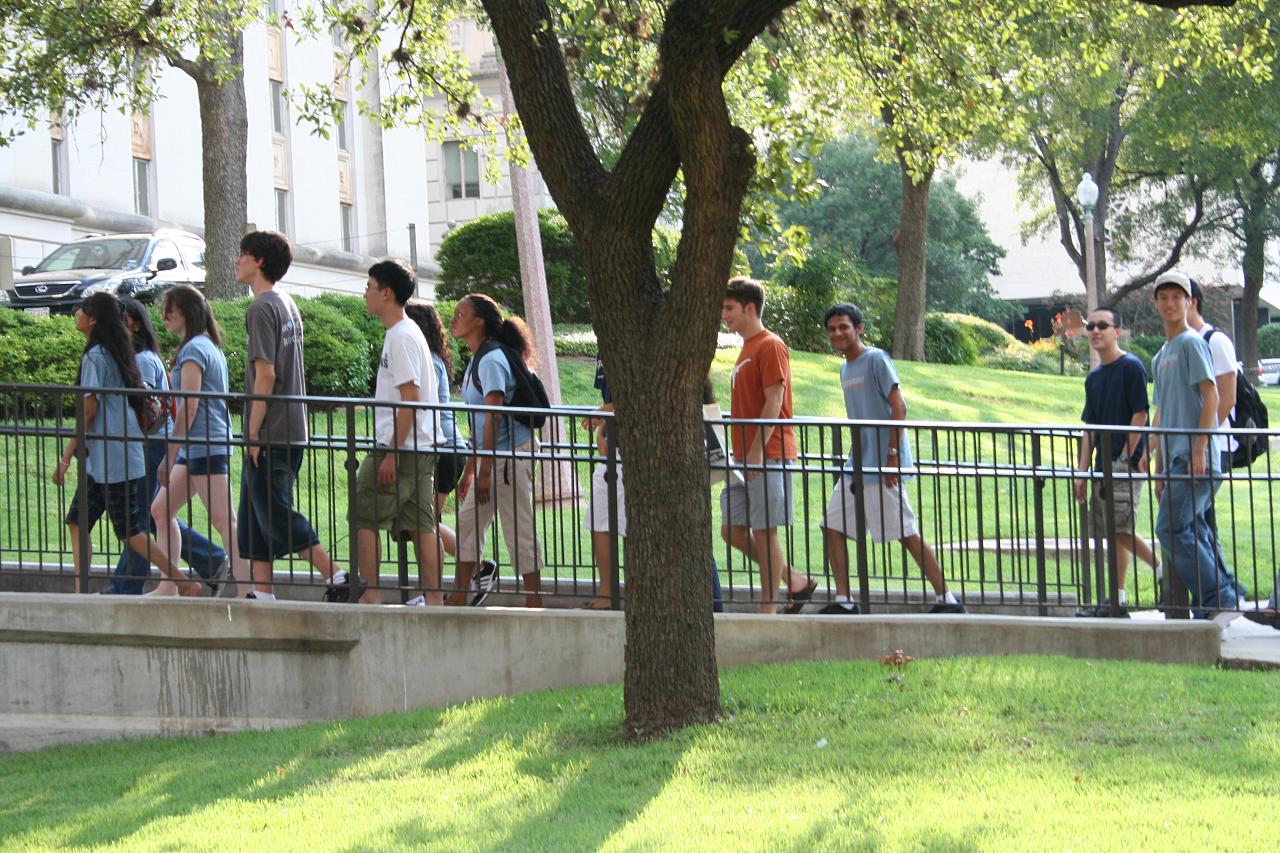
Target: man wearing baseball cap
<point>1186,400</point>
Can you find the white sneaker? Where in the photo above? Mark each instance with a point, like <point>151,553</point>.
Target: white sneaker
<point>483,582</point>
<point>420,601</point>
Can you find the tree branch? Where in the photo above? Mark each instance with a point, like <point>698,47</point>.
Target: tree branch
<point>1189,229</point>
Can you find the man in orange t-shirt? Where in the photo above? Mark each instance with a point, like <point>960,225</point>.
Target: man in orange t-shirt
<point>752,512</point>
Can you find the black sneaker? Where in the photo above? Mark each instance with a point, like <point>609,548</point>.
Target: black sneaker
<point>483,582</point>
<point>1087,612</point>
<point>350,590</point>
<point>945,607</point>
<point>835,608</point>
<point>219,577</point>
<point>1103,611</point>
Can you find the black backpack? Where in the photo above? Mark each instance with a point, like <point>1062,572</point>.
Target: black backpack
<point>529,393</point>
<point>1249,413</point>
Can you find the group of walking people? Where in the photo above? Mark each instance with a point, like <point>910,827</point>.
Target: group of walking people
<point>143,482</point>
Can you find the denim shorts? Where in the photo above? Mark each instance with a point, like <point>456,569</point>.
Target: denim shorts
<point>206,466</point>
<point>125,503</point>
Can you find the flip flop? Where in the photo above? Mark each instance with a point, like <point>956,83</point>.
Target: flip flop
<point>797,600</point>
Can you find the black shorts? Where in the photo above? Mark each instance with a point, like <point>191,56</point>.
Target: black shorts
<point>449,470</point>
<point>125,503</point>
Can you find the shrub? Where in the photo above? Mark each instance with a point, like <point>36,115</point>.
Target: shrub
<point>337,353</point>
<point>986,335</point>
<point>1144,347</point>
<point>797,297</point>
<point>480,256</point>
<point>39,350</point>
<point>948,342</point>
<point>1040,357</point>
<point>1269,341</point>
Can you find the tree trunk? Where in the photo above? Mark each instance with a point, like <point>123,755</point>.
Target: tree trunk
<point>1254,263</point>
<point>224,136</point>
<point>911,244</point>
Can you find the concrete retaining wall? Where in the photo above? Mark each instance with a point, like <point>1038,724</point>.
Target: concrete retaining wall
<point>81,668</point>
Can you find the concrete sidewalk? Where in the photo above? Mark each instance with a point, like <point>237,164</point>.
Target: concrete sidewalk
<point>1244,645</point>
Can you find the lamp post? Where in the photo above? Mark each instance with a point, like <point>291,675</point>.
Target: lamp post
<point>1087,195</point>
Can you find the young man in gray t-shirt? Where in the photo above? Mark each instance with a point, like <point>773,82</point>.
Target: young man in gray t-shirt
<point>275,431</point>
<point>871,392</point>
<point>1186,399</point>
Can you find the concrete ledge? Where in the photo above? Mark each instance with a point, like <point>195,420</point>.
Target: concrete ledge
<point>83,668</point>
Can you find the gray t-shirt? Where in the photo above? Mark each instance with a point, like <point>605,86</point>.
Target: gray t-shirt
<point>275,336</point>
<point>448,427</point>
<point>867,382</point>
<point>210,432</point>
<point>495,375</point>
<point>1180,366</point>
<point>152,370</point>
<point>110,460</point>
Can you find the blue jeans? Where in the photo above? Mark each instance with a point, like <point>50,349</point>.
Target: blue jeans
<point>1242,592</point>
<point>201,554</point>
<point>1188,543</point>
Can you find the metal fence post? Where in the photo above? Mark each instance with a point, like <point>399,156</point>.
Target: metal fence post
<point>1042,581</point>
<point>860,509</point>
<point>353,465</point>
<point>82,497</point>
<point>1109,524</point>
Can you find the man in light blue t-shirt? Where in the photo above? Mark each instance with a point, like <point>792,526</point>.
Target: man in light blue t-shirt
<point>1186,398</point>
<point>871,392</point>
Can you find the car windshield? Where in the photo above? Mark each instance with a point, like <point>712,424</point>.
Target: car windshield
<point>108,254</point>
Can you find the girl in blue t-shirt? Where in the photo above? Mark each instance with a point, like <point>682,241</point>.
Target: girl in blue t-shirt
<point>131,569</point>
<point>114,469</point>
<point>199,454</point>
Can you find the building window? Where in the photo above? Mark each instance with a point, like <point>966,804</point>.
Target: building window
<point>344,219</point>
<point>282,211</point>
<point>461,171</point>
<point>141,186</point>
<point>278,107</point>
<point>343,130</point>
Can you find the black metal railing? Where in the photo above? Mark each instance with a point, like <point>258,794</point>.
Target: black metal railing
<point>996,504</point>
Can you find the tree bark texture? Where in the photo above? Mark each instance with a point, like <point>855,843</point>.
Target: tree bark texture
<point>911,243</point>
<point>224,136</point>
<point>656,342</point>
<point>1254,264</point>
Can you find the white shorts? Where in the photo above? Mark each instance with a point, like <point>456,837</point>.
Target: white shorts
<point>889,515</point>
<point>511,499</point>
<point>597,518</point>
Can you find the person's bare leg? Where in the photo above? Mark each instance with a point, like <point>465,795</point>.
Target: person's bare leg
<point>176,583</point>
<point>838,556</point>
<point>319,558</point>
<point>927,561</point>
<point>261,572</point>
<point>771,568</point>
<point>368,559</point>
<point>1139,547</point>
<point>532,588</point>
<point>73,530</point>
<point>427,546</point>
<point>461,584</point>
<point>602,548</point>
<point>215,493</point>
<point>446,541</point>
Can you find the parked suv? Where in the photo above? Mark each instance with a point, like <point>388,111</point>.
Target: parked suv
<point>137,265</point>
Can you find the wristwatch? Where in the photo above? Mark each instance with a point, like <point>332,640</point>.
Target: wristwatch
<point>892,451</point>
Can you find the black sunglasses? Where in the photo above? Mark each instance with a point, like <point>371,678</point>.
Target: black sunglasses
<point>1101,326</point>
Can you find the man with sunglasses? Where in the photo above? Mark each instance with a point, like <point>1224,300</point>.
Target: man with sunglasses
<point>1115,394</point>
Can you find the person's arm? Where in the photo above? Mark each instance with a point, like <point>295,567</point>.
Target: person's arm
<point>897,412</point>
<point>1226,386</point>
<point>190,379</point>
<point>773,397</point>
<point>1208,423</point>
<point>1082,463</point>
<point>1132,439</point>
<point>90,412</point>
<point>1156,450</point>
<point>404,427</point>
<point>264,382</point>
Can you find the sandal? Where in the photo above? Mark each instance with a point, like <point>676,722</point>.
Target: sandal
<point>797,600</point>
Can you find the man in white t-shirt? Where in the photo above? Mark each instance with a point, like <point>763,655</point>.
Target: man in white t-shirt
<point>395,486</point>
<point>1225,365</point>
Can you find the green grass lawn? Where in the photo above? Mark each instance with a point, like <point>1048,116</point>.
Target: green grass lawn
<point>951,508</point>
<point>961,754</point>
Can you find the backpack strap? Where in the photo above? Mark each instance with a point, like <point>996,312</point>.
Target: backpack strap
<point>1209,333</point>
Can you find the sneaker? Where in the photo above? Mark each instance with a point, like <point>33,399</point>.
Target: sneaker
<point>420,601</point>
<point>835,608</point>
<point>1103,611</point>
<point>219,577</point>
<point>483,582</point>
<point>1087,612</point>
<point>944,607</point>
<point>349,590</point>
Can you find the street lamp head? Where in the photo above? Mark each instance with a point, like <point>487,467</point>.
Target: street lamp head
<point>1087,192</point>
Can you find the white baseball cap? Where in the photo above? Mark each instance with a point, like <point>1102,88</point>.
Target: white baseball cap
<point>1174,277</point>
